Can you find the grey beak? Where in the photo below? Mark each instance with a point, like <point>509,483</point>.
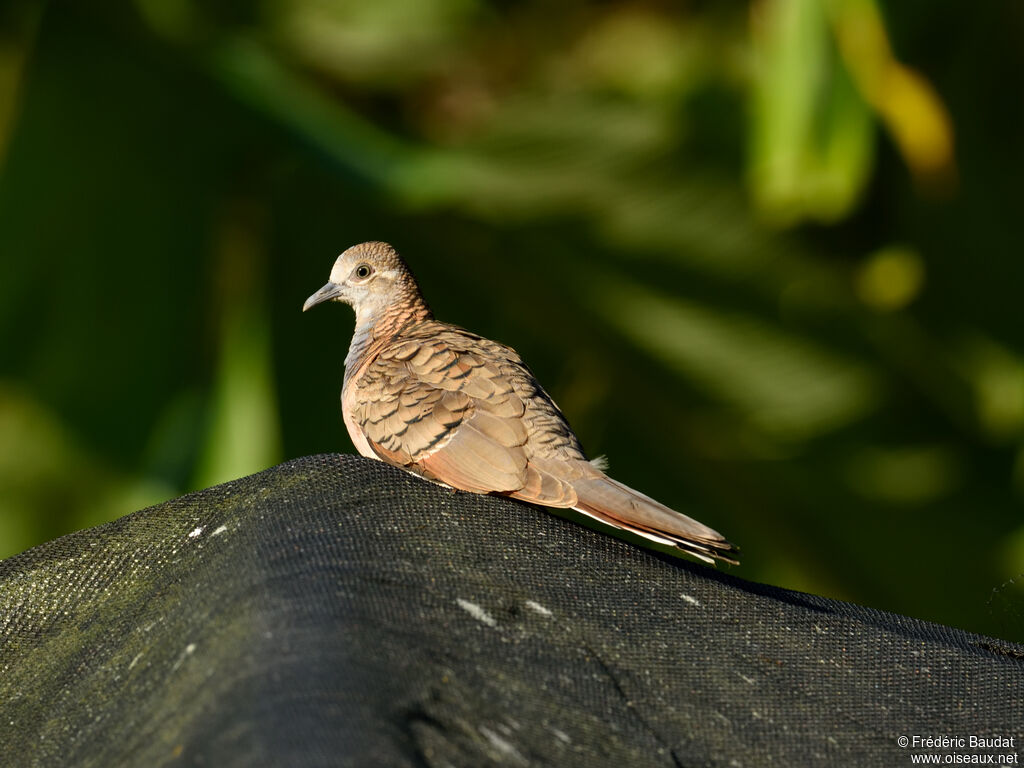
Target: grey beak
<point>328,292</point>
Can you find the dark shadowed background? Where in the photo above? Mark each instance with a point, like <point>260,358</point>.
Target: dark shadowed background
<point>766,256</point>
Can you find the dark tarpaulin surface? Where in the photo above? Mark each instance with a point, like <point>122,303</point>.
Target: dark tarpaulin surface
<point>333,611</point>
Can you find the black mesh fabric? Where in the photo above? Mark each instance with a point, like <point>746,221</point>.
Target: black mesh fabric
<point>333,611</point>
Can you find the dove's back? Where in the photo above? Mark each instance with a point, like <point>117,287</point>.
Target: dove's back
<point>465,411</point>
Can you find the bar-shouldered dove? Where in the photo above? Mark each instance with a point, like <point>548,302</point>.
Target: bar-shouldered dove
<point>466,412</point>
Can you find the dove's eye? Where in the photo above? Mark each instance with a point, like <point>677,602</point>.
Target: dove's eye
<point>363,271</point>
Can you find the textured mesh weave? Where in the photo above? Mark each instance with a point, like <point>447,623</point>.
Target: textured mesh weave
<point>333,611</point>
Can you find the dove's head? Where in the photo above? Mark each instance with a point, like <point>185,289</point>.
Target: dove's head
<point>373,279</point>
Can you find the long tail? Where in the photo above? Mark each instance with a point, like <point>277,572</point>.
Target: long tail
<point>618,505</point>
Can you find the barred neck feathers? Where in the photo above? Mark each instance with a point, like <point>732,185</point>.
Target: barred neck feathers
<point>375,328</point>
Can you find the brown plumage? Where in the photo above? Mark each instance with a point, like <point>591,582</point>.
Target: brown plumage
<point>464,411</point>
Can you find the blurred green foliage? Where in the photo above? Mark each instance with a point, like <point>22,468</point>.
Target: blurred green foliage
<point>766,256</point>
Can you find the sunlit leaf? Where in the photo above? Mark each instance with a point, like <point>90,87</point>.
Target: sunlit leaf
<point>811,134</point>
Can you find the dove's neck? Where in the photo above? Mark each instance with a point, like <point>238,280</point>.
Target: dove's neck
<point>376,326</point>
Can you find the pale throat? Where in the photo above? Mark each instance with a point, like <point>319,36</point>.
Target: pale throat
<point>363,337</point>
<point>361,340</point>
